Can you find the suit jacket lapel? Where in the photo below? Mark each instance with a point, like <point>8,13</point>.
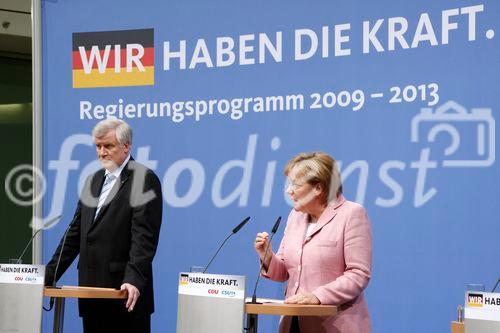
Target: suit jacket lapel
<point>328,214</point>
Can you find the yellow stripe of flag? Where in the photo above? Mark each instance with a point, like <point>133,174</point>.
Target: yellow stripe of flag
<point>112,79</point>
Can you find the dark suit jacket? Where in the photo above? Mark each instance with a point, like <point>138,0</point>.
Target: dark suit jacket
<point>119,246</point>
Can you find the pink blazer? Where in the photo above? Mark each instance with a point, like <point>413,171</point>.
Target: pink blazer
<point>334,263</point>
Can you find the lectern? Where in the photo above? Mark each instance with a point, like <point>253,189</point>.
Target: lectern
<point>210,303</point>
<point>253,310</point>
<point>60,294</point>
<point>21,298</point>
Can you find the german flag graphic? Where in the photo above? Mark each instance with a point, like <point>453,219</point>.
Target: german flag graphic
<point>113,58</point>
<point>475,300</point>
<point>184,279</point>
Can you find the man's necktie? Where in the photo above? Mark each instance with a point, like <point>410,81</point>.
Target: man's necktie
<point>106,187</point>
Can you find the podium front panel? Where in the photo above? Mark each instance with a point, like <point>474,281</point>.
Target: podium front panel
<point>482,312</point>
<point>210,303</point>
<point>21,295</point>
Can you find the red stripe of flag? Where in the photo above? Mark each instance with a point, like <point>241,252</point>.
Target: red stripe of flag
<point>146,60</point>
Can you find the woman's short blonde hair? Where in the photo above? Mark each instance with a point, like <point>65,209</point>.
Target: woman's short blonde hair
<point>318,168</point>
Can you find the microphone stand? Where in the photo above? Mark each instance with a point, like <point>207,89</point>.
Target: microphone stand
<point>52,220</point>
<point>54,280</point>
<point>495,287</point>
<point>252,319</point>
<point>215,255</point>
<point>235,230</point>
<point>254,294</point>
<point>273,232</point>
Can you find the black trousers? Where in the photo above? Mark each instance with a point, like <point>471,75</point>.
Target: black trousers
<point>295,328</point>
<point>123,323</point>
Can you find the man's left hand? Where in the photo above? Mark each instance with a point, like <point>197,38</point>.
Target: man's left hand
<point>133,295</point>
<point>307,298</point>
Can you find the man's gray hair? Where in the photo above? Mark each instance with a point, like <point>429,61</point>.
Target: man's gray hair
<point>123,130</point>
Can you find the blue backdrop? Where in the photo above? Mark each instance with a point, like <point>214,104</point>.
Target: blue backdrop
<point>403,94</point>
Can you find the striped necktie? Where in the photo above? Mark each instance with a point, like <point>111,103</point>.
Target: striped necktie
<point>106,187</point>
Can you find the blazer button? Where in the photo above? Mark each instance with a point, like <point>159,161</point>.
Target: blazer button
<point>296,284</point>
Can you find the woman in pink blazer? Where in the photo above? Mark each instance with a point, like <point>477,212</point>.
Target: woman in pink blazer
<point>326,251</point>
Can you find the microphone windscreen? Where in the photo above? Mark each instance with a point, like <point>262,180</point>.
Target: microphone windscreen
<point>239,226</point>
<point>276,225</point>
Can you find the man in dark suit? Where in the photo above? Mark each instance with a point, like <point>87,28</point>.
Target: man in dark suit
<point>115,231</point>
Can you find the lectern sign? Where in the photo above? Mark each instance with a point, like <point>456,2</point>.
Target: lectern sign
<point>199,284</point>
<point>21,274</point>
<point>483,300</point>
<point>482,312</point>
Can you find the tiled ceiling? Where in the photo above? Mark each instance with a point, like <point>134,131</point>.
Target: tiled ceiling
<point>15,28</point>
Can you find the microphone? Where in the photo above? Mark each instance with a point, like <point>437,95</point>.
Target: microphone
<point>276,226</point>
<point>273,231</point>
<point>239,226</point>
<point>61,251</point>
<point>235,230</point>
<point>52,220</point>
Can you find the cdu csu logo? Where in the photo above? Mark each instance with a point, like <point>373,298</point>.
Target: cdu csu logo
<point>113,58</point>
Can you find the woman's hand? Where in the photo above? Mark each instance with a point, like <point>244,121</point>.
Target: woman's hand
<point>260,245</point>
<point>307,298</point>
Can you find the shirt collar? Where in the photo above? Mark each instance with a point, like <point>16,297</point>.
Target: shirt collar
<point>118,171</point>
